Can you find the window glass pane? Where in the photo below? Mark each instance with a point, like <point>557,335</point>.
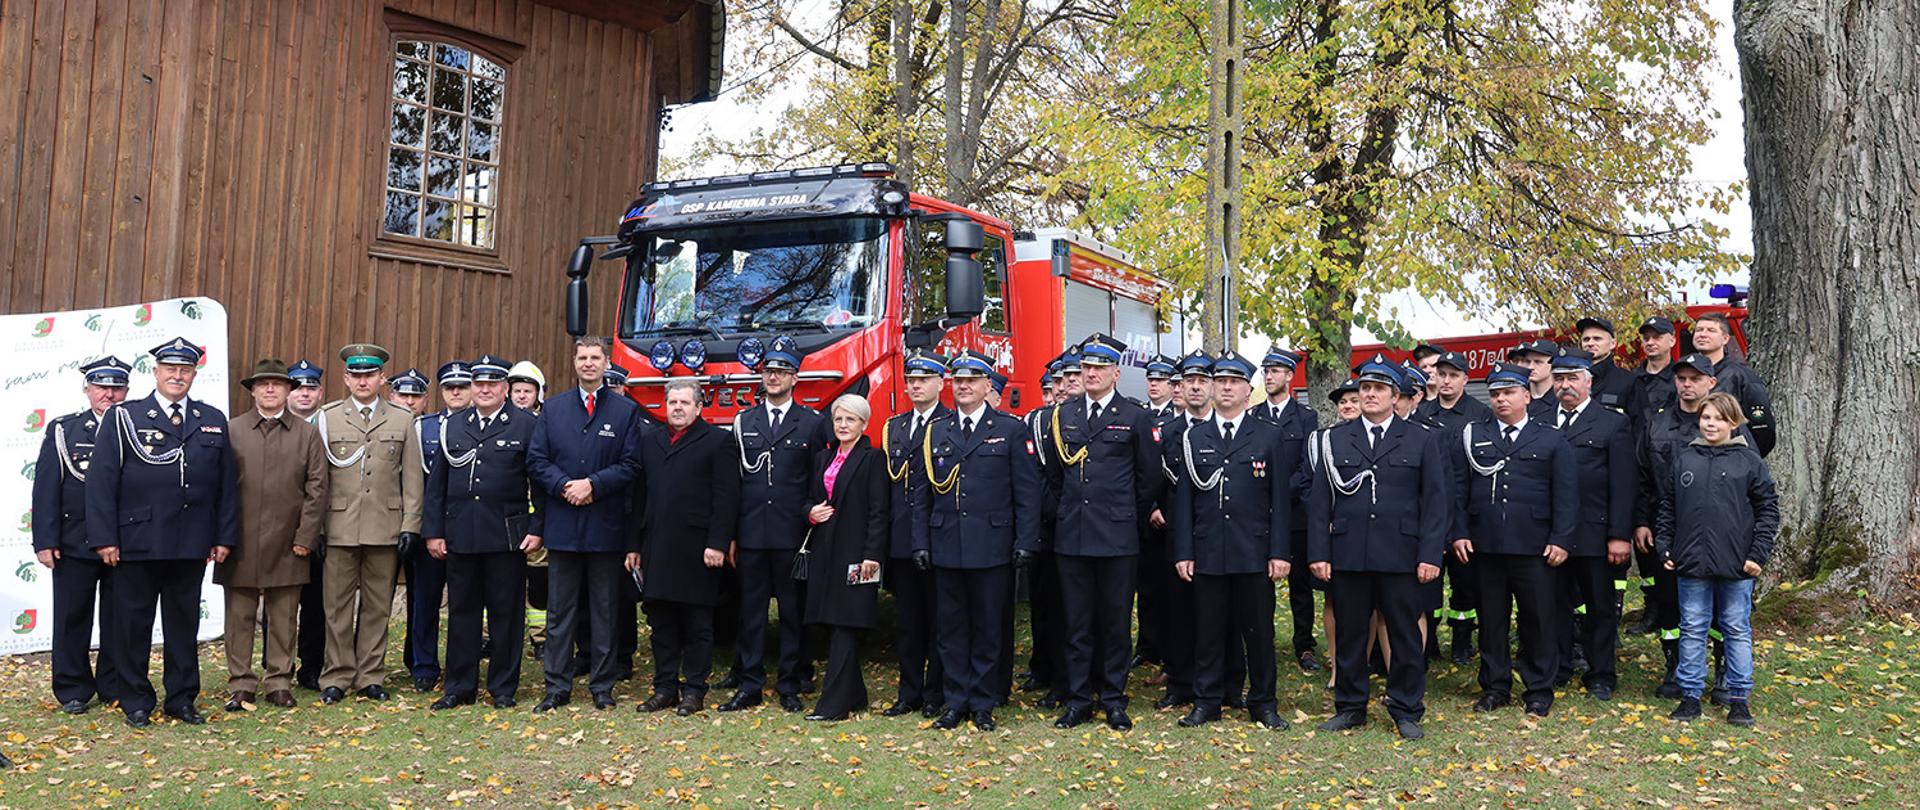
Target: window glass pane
<point>478,184</point>
<point>446,133</point>
<point>450,56</point>
<point>476,226</point>
<point>416,50</point>
<point>440,216</point>
<point>443,176</point>
<point>926,274</point>
<point>410,81</point>
<point>449,90</point>
<point>486,100</point>
<point>482,142</point>
<point>993,266</point>
<point>403,169</point>
<point>403,214</point>
<point>409,125</point>
<point>485,67</point>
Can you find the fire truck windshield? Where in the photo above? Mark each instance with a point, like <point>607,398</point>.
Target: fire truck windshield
<point>758,276</point>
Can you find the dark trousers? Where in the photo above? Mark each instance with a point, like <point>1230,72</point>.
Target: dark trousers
<point>1044,617</point>
<point>1097,593</point>
<point>537,597</point>
<point>844,689</point>
<point>1592,577</point>
<point>626,631</point>
<point>495,583</point>
<point>1463,595</point>
<point>426,580</point>
<point>313,621</point>
<point>173,586</point>
<point>1242,606</point>
<point>1182,653</point>
<point>574,578</point>
<point>766,575</point>
<point>915,630</point>
<point>682,647</point>
<point>972,603</point>
<point>76,580</point>
<point>1525,580</point>
<point>1356,596</point>
<point>1300,602</point>
<point>1154,580</point>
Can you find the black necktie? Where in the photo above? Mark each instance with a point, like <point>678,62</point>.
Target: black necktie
<point>1379,432</point>
<point>966,429</point>
<point>1566,418</point>
<point>919,424</point>
<point>1226,432</point>
<point>774,422</point>
<point>1510,432</point>
<point>175,410</point>
<point>1093,413</point>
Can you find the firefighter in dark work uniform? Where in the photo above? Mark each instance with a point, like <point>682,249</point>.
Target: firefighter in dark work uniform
<point>1296,421</point>
<point>1451,409</point>
<point>1603,452</point>
<point>1048,663</point>
<point>918,620</point>
<point>1156,577</point>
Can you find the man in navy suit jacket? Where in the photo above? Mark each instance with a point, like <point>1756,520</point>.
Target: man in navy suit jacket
<point>585,461</point>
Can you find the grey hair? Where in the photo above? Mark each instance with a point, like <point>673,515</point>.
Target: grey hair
<point>685,384</point>
<point>853,404</point>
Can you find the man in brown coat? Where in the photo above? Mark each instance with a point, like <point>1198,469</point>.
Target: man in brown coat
<point>283,497</point>
<point>373,514</point>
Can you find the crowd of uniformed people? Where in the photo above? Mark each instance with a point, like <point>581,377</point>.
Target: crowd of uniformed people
<point>1516,523</point>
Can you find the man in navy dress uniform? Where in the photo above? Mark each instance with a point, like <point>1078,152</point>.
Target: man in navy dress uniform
<point>1517,494</point>
<point>586,463</point>
<point>309,393</point>
<point>1107,481</point>
<point>1048,664</point>
<point>1155,575</point>
<point>427,574</point>
<point>1595,571</point>
<point>977,518</point>
<point>1232,535</point>
<point>1296,421</point>
<point>1448,412</point>
<point>1536,358</point>
<point>917,612</point>
<point>408,390</point>
<point>777,439</point>
<point>1377,520</point>
<point>162,501</point>
<point>60,542</point>
<point>478,523</point>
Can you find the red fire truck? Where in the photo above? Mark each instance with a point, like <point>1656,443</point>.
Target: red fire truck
<point>1483,351</point>
<point>856,269</point>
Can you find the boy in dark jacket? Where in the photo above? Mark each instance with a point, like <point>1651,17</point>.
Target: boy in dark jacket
<point>1716,530</point>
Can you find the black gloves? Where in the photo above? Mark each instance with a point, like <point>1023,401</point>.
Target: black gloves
<point>1022,558</point>
<point>408,542</point>
<point>923,560</point>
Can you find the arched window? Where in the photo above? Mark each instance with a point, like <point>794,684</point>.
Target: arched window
<point>443,145</point>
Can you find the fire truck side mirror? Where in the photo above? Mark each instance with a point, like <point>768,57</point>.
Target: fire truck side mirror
<point>966,284</point>
<point>578,265</point>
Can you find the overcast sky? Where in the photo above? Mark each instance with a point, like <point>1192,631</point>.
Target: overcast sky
<point>1720,161</point>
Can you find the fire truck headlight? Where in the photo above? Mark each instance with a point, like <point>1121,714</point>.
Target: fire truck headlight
<point>661,355</point>
<point>693,355</point>
<point>750,351</point>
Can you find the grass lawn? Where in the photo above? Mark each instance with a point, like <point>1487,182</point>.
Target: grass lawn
<point>1837,719</point>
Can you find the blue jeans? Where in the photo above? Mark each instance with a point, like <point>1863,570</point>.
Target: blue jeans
<point>1728,604</point>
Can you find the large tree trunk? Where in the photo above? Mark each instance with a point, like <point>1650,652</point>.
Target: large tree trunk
<point>1833,156</point>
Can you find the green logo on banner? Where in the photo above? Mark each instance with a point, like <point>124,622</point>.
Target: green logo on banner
<point>190,308</point>
<point>93,322</point>
<point>43,328</point>
<point>36,419</point>
<point>26,521</point>
<point>24,572</point>
<point>143,315</point>
<point>25,622</point>
<point>27,470</point>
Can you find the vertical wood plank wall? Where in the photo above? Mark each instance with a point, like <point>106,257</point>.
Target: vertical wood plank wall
<point>235,149</point>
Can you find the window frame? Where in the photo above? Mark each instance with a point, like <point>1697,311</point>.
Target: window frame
<point>403,27</point>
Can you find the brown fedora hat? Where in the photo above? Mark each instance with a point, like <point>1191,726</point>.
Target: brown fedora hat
<point>268,369</point>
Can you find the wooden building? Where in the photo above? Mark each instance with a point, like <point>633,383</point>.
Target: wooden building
<point>410,172</point>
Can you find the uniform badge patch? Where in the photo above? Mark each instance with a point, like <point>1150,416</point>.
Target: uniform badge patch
<point>1030,450</point>
<point>1686,479</point>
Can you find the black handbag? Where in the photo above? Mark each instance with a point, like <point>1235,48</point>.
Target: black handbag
<point>802,557</point>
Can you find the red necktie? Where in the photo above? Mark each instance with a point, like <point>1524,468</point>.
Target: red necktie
<point>591,396</point>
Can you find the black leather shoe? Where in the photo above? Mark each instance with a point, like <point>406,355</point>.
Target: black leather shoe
<point>984,721</point>
<point>1118,720</point>
<point>691,703</point>
<point>1236,700</point>
<point>1198,717</point>
<point>658,701</point>
<point>281,698</point>
<point>1032,683</point>
<point>949,720</point>
<point>1539,708</point>
<point>332,695</point>
<point>451,701</point>
<point>422,683</point>
<point>374,692</point>
<point>1409,730</point>
<point>553,700</point>
<point>1600,691</point>
<point>1049,702</point>
<point>732,681</point>
<point>1688,710</point>
<point>307,682</point>
<point>1309,662</point>
<point>74,707</point>
<point>1463,653</point>
<point>189,715</point>
<point>791,703</point>
<point>238,701</point>
<point>1170,700</point>
<point>138,719</point>
<point>504,702</point>
<point>1489,701</point>
<point>898,708</point>
<point>603,700</point>
<point>932,709</point>
<point>741,700</point>
<point>1271,719</point>
<point>1343,722</point>
<point>1074,718</point>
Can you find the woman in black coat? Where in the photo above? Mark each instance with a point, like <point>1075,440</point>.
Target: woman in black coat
<point>848,538</point>
<point>693,494</point>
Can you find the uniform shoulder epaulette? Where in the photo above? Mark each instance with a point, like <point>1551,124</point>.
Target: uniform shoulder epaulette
<point>334,405</point>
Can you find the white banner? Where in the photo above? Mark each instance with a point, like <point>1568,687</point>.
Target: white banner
<point>43,383</point>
